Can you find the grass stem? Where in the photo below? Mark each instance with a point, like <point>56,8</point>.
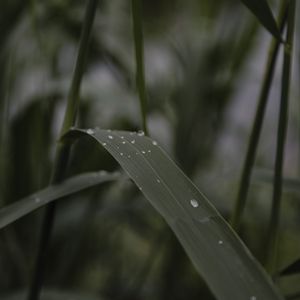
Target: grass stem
<point>257,125</point>
<point>139,59</point>
<point>63,150</point>
<point>274,223</point>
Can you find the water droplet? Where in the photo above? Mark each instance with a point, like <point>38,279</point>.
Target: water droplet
<point>253,298</point>
<point>141,133</point>
<point>122,137</point>
<point>123,142</point>
<point>144,152</point>
<point>104,144</point>
<point>37,200</point>
<point>194,203</point>
<point>157,180</point>
<point>149,151</point>
<point>110,137</point>
<point>90,131</point>
<point>220,242</point>
<point>131,133</point>
<point>154,143</point>
<point>121,153</point>
<point>128,156</point>
<point>132,142</point>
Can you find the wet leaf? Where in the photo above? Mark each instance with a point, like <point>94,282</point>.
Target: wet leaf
<point>215,250</point>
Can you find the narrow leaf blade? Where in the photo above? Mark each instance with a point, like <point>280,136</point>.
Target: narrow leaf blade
<point>262,11</point>
<point>15,211</point>
<point>292,269</point>
<point>215,250</point>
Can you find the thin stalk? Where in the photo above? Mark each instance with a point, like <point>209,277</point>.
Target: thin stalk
<point>139,59</point>
<point>4,127</point>
<point>257,125</point>
<point>63,149</point>
<point>281,137</point>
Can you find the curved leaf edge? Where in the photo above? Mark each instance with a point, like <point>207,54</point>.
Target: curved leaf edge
<point>20,208</point>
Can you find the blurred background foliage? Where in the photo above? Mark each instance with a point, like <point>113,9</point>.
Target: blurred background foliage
<point>204,66</point>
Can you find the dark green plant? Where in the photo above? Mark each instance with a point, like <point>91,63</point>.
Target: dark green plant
<point>110,225</point>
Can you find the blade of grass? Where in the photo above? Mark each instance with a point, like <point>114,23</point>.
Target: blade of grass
<point>263,12</point>
<point>18,209</point>
<point>281,137</point>
<point>63,150</point>
<point>257,125</point>
<point>139,59</point>
<point>4,127</point>
<point>293,268</point>
<point>215,250</point>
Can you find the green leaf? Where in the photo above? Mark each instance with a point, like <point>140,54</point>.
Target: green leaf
<point>262,11</point>
<point>18,209</point>
<point>215,250</point>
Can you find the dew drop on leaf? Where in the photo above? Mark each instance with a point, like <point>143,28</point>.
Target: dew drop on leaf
<point>141,133</point>
<point>123,142</point>
<point>110,137</point>
<point>143,152</point>
<point>194,203</point>
<point>220,242</point>
<point>132,142</point>
<point>90,131</point>
<point>253,298</point>
<point>154,143</point>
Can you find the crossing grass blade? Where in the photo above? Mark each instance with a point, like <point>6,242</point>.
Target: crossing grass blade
<point>262,11</point>
<point>217,253</point>
<point>15,211</point>
<point>292,269</point>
